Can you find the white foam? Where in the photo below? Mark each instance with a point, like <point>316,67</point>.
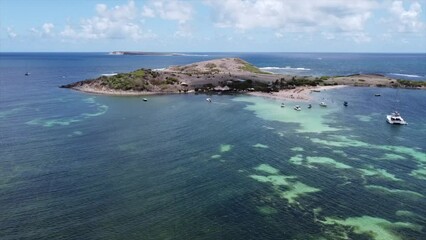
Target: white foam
<point>288,68</point>
<point>109,74</point>
<point>406,75</point>
<point>189,55</point>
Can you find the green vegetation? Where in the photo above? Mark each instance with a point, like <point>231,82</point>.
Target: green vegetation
<point>296,82</point>
<point>210,65</point>
<point>137,80</point>
<point>411,84</point>
<point>124,81</point>
<point>171,80</point>
<point>244,85</point>
<point>138,73</point>
<point>250,68</point>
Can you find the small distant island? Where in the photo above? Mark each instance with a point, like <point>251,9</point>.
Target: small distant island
<point>144,53</point>
<point>228,75</point>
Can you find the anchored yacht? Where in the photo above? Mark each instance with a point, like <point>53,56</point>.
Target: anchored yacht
<point>395,118</point>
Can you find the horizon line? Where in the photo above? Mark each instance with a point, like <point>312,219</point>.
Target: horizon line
<point>203,52</point>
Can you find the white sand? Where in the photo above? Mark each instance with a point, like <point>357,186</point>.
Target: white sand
<point>298,94</point>
<point>107,91</point>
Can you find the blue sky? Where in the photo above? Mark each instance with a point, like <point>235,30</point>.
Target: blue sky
<point>213,25</point>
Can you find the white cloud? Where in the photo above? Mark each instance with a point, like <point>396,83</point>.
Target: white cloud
<point>11,33</point>
<point>174,10</point>
<point>184,31</point>
<point>407,20</point>
<point>359,37</point>
<point>148,12</point>
<point>279,35</point>
<point>119,22</point>
<point>47,28</point>
<point>293,15</point>
<point>328,35</point>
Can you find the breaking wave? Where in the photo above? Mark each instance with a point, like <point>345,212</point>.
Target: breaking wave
<point>287,68</point>
<point>405,75</point>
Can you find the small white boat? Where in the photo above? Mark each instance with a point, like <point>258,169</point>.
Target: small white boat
<point>208,100</point>
<point>395,118</point>
<point>297,108</point>
<point>144,99</point>
<point>27,74</point>
<point>323,104</point>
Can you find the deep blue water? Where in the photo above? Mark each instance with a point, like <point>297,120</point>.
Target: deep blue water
<point>81,166</point>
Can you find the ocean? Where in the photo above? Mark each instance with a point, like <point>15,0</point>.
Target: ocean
<point>82,166</point>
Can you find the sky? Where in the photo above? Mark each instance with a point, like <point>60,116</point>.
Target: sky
<point>213,25</point>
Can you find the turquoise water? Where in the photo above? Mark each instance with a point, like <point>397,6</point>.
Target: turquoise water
<point>81,166</point>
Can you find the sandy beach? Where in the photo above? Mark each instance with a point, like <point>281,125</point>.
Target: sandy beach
<point>114,92</point>
<point>297,94</point>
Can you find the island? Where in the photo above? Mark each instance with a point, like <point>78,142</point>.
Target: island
<point>232,75</point>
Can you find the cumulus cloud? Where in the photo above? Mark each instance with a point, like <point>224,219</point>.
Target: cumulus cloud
<point>47,28</point>
<point>170,10</point>
<point>148,12</point>
<point>11,33</point>
<point>407,20</point>
<point>293,16</point>
<point>118,22</point>
<point>174,10</point>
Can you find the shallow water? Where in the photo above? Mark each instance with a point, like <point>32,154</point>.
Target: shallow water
<point>81,166</point>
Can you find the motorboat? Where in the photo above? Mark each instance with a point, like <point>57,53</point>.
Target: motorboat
<point>377,95</point>
<point>282,105</point>
<point>345,103</point>
<point>395,118</point>
<point>144,99</point>
<point>310,106</point>
<point>297,108</point>
<point>208,99</point>
<point>27,74</point>
<point>323,104</point>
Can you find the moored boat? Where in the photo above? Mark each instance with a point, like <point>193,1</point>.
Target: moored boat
<point>395,118</point>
